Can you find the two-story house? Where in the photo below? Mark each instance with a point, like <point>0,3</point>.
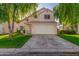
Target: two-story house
<point>40,22</point>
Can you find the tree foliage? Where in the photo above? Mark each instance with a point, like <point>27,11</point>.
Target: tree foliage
<point>12,12</point>
<point>67,13</point>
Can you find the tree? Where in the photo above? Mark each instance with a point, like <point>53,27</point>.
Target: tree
<point>13,12</point>
<point>68,14</point>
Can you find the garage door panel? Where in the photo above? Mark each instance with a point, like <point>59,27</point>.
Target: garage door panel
<point>43,28</point>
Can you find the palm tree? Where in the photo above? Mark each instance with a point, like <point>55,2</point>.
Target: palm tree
<point>14,11</point>
<point>68,14</point>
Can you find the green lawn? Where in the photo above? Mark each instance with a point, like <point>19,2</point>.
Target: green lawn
<point>17,42</point>
<point>72,38</point>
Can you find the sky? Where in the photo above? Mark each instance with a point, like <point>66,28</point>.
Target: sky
<point>47,5</point>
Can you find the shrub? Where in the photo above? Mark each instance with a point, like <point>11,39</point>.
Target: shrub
<point>61,32</point>
<point>18,31</point>
<point>67,32</point>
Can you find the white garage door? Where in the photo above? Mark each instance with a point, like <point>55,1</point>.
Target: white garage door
<point>44,28</point>
<point>1,28</point>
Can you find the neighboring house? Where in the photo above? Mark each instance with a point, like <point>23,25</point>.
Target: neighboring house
<point>4,28</point>
<point>40,22</point>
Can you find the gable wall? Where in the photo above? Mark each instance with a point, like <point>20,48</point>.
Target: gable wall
<point>40,16</point>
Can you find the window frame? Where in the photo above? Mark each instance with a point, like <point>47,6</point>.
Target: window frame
<point>47,16</point>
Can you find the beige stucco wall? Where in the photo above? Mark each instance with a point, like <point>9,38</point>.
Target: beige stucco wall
<point>44,28</point>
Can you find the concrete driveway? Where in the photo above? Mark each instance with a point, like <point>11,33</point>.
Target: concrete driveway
<point>49,43</point>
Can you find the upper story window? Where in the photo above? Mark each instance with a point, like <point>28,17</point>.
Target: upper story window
<point>47,16</point>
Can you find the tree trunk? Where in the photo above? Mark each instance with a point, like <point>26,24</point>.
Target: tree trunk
<point>10,31</point>
<point>11,26</point>
<point>14,13</point>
